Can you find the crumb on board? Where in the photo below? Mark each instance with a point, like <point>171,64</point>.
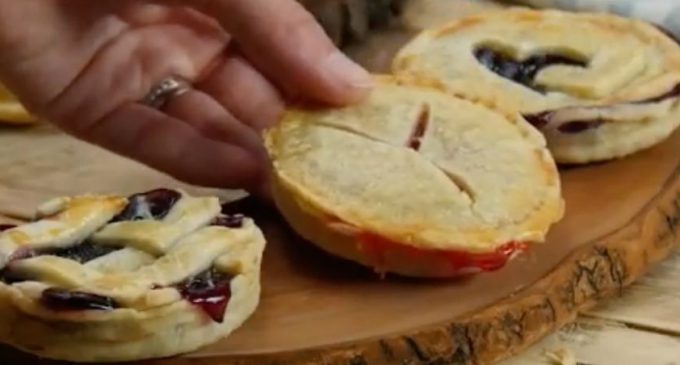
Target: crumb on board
<point>561,356</point>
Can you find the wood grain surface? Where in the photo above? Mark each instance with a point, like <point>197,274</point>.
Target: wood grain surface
<point>622,217</point>
<point>601,342</point>
<point>640,327</point>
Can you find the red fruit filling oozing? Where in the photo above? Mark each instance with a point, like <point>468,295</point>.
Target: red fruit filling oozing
<point>460,262</point>
<point>210,291</point>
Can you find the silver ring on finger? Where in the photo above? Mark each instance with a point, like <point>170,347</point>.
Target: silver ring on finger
<point>161,93</point>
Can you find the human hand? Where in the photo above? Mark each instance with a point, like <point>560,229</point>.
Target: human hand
<point>85,65</point>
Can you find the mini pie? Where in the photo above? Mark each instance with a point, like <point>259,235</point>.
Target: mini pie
<point>414,181</point>
<point>108,278</point>
<point>598,86</point>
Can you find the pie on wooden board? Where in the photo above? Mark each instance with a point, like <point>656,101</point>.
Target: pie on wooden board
<point>414,181</point>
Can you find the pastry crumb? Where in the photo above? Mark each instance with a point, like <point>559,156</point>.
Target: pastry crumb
<point>561,356</point>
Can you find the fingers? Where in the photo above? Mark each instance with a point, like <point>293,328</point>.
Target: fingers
<point>175,147</point>
<point>210,119</point>
<point>218,150</point>
<point>286,43</point>
<point>243,91</point>
<point>126,69</point>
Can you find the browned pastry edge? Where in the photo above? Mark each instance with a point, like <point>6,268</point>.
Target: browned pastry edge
<point>598,271</point>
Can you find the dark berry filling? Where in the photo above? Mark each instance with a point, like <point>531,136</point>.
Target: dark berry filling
<point>82,253</point>
<point>579,126</point>
<point>150,205</point>
<point>541,120</point>
<point>154,204</point>
<point>673,93</point>
<point>4,227</point>
<point>538,120</point>
<point>249,205</point>
<point>64,300</point>
<point>210,291</point>
<point>229,220</point>
<point>7,276</point>
<point>419,129</point>
<point>522,72</point>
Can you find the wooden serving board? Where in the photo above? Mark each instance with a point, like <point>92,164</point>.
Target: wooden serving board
<point>622,217</point>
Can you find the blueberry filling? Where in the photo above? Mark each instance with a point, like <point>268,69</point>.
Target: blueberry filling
<point>82,253</point>
<point>8,277</point>
<point>4,227</point>
<point>154,204</point>
<point>22,254</point>
<point>538,120</point>
<point>229,220</point>
<point>541,120</point>
<point>151,205</point>
<point>673,93</point>
<point>579,126</point>
<point>210,291</point>
<point>248,205</point>
<point>522,72</point>
<point>64,300</point>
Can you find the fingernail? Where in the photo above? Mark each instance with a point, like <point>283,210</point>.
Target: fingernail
<point>345,70</point>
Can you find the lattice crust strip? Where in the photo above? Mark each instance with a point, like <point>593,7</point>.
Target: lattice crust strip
<point>67,221</point>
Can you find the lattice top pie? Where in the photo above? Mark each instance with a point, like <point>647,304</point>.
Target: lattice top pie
<point>108,278</point>
<point>599,86</point>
